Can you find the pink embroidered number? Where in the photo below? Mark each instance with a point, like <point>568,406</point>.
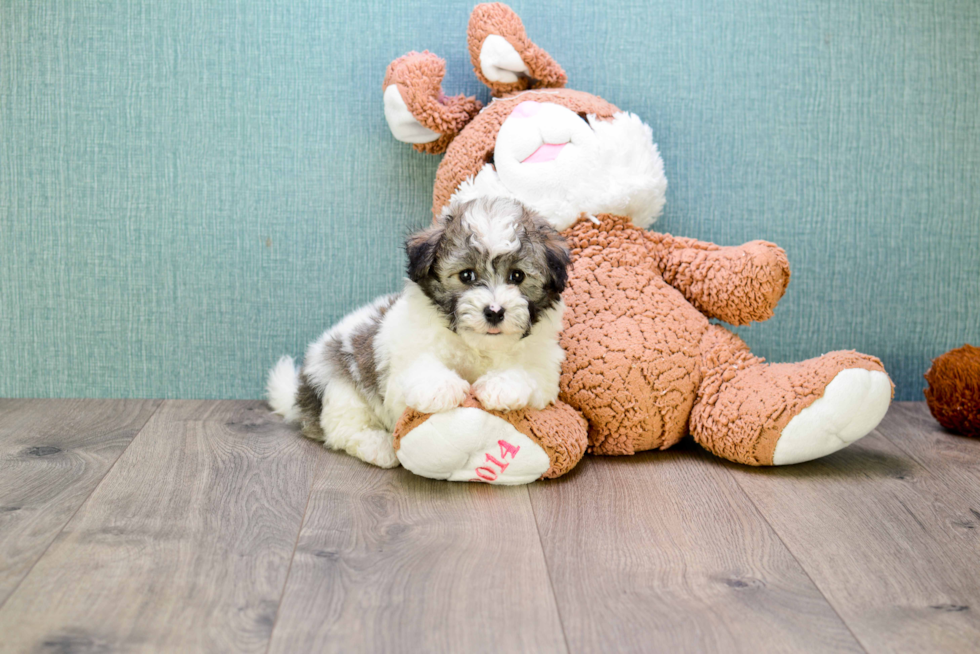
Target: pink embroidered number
<point>486,473</point>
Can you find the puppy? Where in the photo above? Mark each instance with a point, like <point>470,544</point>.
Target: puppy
<point>481,310</point>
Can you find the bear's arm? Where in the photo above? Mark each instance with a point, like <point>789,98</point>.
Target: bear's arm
<point>738,284</point>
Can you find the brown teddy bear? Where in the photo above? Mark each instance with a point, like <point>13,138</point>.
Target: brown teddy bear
<point>644,365</point>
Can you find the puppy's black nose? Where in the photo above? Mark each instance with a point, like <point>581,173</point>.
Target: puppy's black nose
<point>494,314</point>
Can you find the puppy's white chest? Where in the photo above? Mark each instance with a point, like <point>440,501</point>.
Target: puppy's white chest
<point>471,364</point>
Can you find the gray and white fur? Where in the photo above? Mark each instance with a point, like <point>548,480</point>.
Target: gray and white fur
<point>481,310</point>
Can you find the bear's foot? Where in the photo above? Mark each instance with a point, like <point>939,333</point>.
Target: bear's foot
<point>471,444</point>
<point>852,405</point>
<point>786,413</point>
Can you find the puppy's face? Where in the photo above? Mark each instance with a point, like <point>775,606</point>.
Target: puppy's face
<point>492,267</point>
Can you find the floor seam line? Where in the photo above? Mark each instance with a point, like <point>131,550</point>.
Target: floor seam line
<point>901,449</point>
<point>81,504</point>
<point>289,569</point>
<point>547,569</point>
<point>798,562</point>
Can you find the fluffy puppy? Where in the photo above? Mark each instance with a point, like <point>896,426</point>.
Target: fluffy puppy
<point>481,309</point>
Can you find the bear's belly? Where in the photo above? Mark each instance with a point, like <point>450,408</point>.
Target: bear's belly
<point>632,345</point>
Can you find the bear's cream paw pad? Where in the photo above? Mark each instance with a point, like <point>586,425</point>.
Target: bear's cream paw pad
<point>853,404</point>
<point>468,444</point>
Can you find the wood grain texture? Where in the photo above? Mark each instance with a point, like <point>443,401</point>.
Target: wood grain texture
<point>663,552</point>
<point>889,534</point>
<point>195,540</point>
<point>183,547</point>
<point>391,562</point>
<point>953,459</point>
<point>53,453</point>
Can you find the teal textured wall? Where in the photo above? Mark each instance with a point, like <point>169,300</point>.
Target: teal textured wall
<point>190,189</point>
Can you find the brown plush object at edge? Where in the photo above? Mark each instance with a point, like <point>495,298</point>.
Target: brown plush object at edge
<point>954,390</point>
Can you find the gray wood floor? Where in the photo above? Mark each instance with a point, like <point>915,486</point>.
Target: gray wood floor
<point>185,526</point>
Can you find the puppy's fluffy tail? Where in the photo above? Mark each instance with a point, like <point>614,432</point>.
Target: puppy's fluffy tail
<point>281,389</point>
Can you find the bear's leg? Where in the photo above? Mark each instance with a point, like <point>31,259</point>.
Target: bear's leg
<point>776,414</point>
<point>470,443</point>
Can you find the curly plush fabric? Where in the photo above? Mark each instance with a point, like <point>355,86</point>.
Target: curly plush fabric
<point>743,406</point>
<point>644,365</point>
<point>500,20</point>
<point>558,429</point>
<point>953,394</point>
<point>418,76</point>
<point>631,341</point>
<point>736,284</point>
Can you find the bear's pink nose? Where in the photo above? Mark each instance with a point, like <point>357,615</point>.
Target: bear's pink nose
<point>526,109</point>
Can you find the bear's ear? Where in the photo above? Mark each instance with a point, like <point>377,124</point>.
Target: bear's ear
<point>415,107</point>
<point>503,57</point>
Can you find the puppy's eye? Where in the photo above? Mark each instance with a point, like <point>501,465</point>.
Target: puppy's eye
<point>467,276</point>
<point>515,276</point>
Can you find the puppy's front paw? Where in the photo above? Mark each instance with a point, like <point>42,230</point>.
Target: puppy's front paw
<point>443,393</point>
<point>505,391</point>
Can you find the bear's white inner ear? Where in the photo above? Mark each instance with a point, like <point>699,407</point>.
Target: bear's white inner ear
<point>500,62</point>
<point>402,123</point>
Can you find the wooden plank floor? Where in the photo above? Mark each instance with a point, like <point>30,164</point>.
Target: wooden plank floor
<point>53,453</point>
<point>205,526</point>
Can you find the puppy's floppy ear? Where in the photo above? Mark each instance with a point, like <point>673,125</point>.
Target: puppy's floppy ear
<point>558,260</point>
<point>555,251</point>
<point>421,250</point>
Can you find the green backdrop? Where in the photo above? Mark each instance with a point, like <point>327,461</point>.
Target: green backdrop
<point>190,189</point>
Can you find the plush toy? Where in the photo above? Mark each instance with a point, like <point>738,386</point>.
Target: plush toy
<point>954,390</point>
<point>644,365</point>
